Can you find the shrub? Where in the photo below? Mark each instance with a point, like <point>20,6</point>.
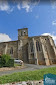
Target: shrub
<point>6,61</point>
<point>10,63</point>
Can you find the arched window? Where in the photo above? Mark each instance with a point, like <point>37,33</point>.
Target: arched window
<point>38,46</point>
<point>11,50</point>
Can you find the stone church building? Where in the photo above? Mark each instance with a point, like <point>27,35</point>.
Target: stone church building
<point>38,50</point>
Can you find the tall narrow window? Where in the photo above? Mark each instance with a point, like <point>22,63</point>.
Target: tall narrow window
<point>31,46</point>
<point>11,50</point>
<point>38,46</point>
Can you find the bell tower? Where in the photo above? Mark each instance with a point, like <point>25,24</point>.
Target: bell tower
<point>22,33</point>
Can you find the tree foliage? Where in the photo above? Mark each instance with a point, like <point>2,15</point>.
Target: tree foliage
<point>5,58</point>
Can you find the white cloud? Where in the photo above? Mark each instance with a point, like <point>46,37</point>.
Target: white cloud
<point>4,37</point>
<point>18,6</point>
<point>54,22</point>
<point>52,35</point>
<point>28,5</point>
<point>25,5</point>
<point>53,3</point>
<point>4,6</point>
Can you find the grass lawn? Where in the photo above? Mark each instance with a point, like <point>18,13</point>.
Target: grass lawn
<point>16,64</point>
<point>28,75</point>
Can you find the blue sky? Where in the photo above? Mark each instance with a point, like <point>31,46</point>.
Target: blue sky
<point>39,18</point>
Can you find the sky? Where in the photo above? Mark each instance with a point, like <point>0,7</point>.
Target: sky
<point>36,15</point>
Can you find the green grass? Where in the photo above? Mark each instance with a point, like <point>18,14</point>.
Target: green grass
<point>16,64</point>
<point>28,75</point>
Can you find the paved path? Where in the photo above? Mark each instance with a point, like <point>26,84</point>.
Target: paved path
<point>29,67</point>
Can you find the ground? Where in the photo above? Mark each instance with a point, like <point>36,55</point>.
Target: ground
<point>28,67</point>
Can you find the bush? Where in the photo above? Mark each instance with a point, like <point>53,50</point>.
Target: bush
<point>6,61</point>
<point>10,63</point>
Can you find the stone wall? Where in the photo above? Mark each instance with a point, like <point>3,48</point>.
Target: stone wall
<point>5,48</point>
<point>22,33</point>
<point>44,52</point>
<point>23,50</point>
<point>37,56</point>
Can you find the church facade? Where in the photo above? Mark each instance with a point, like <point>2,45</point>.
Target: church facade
<point>38,50</point>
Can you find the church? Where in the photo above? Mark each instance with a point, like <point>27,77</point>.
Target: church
<point>39,50</point>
